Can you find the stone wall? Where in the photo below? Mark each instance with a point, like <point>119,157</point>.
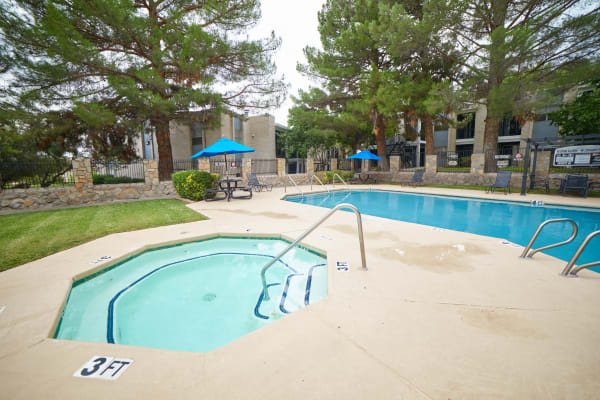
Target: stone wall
<point>85,192</point>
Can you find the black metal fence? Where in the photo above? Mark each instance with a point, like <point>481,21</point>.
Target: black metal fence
<point>185,164</point>
<point>111,172</point>
<point>505,161</point>
<point>38,173</point>
<point>408,160</point>
<point>345,164</point>
<point>232,168</point>
<point>264,167</point>
<point>452,161</point>
<point>322,165</point>
<point>295,166</point>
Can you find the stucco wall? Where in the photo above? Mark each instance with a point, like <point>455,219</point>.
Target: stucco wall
<point>181,140</point>
<point>259,133</point>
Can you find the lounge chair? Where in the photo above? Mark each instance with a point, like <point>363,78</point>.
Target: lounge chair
<point>417,179</point>
<point>502,182</point>
<point>256,185</point>
<point>575,183</point>
<point>355,179</point>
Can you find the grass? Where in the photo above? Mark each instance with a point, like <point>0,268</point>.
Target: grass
<point>28,236</point>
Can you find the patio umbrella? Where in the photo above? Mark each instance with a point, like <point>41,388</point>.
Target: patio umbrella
<point>365,155</point>
<point>223,146</point>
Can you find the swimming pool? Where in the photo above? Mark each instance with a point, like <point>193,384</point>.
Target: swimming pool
<point>513,221</point>
<point>195,296</point>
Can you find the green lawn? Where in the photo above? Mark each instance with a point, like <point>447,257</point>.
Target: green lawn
<point>28,236</point>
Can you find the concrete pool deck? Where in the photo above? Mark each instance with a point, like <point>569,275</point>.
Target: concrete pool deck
<point>439,315</point>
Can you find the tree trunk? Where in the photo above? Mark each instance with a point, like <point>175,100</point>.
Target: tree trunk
<point>165,157</point>
<point>379,131</point>
<point>490,142</point>
<point>428,122</point>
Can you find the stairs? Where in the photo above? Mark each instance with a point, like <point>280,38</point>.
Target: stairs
<point>297,291</point>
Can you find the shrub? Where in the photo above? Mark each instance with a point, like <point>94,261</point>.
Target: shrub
<point>111,180</point>
<point>193,184</point>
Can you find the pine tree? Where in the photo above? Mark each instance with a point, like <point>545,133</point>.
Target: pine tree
<point>352,64</point>
<point>516,53</point>
<point>118,61</point>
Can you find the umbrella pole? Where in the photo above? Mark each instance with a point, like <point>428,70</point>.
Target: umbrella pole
<point>226,173</point>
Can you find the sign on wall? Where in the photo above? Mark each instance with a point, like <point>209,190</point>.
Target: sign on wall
<point>577,156</point>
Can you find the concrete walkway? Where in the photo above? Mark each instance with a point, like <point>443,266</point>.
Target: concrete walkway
<point>438,315</point>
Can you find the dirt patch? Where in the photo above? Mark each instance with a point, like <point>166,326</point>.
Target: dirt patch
<point>442,258</point>
<point>500,322</point>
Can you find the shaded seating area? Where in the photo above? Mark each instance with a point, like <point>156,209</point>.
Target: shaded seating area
<point>255,184</point>
<point>502,182</point>
<point>417,179</point>
<point>363,177</point>
<point>575,183</point>
<point>228,187</point>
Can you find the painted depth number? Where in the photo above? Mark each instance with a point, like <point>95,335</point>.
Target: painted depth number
<point>102,367</point>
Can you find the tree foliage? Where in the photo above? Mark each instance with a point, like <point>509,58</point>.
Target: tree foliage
<point>119,62</point>
<point>582,116</point>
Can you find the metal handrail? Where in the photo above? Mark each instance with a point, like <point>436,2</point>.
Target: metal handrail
<point>539,229</point>
<point>333,180</point>
<point>263,271</point>
<point>317,178</point>
<point>297,187</point>
<point>571,264</point>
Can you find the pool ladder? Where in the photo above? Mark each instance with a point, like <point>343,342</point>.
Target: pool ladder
<point>293,182</point>
<point>570,269</point>
<point>264,269</point>
<point>340,178</point>
<point>318,180</point>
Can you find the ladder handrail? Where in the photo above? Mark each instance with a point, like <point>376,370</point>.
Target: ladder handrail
<point>333,180</point>
<point>539,229</point>
<point>297,187</point>
<point>571,269</point>
<point>263,271</point>
<point>317,178</point>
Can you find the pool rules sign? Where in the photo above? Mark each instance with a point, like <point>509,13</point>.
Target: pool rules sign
<point>103,367</point>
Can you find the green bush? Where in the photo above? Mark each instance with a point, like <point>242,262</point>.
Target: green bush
<point>327,177</point>
<point>192,184</point>
<point>111,180</point>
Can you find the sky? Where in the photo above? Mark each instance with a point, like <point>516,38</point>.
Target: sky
<point>295,22</point>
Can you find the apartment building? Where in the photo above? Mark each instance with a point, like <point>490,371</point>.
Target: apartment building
<point>190,137</point>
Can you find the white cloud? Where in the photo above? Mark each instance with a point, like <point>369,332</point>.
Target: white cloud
<point>295,22</point>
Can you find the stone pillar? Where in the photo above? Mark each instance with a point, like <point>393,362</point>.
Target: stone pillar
<point>477,163</point>
<point>281,167</point>
<point>246,168</point>
<point>204,164</point>
<point>394,164</point>
<point>364,166</point>
<point>82,172</point>
<point>431,163</point>
<point>151,172</point>
<point>543,163</point>
<point>333,164</point>
<point>452,134</point>
<point>310,167</point>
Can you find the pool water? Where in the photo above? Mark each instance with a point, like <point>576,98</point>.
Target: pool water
<point>193,297</point>
<point>513,221</point>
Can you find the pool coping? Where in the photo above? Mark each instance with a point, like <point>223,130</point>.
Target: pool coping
<point>433,320</point>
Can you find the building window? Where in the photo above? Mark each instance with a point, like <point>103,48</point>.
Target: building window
<point>197,144</point>
<point>509,127</point>
<point>465,130</point>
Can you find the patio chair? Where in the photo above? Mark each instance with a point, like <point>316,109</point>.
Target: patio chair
<point>417,179</point>
<point>208,192</point>
<point>256,185</point>
<point>502,182</point>
<point>575,183</point>
<point>355,179</point>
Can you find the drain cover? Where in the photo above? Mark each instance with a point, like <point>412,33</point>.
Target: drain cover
<point>209,297</point>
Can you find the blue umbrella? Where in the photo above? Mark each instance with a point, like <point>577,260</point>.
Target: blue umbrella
<point>223,146</point>
<point>365,155</point>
